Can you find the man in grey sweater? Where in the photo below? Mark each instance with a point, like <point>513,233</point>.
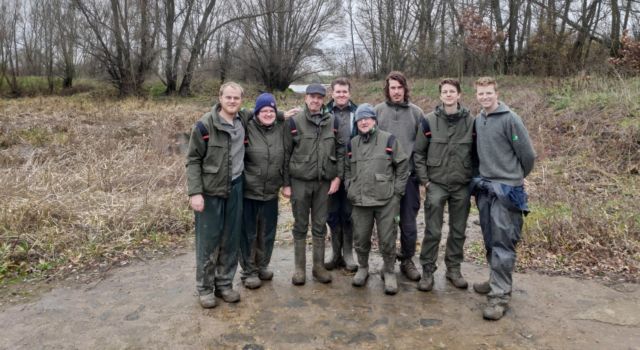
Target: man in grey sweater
<point>401,118</point>
<point>506,157</point>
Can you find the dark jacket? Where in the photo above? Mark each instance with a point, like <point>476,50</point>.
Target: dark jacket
<point>443,152</point>
<point>264,169</point>
<point>373,173</point>
<point>312,149</point>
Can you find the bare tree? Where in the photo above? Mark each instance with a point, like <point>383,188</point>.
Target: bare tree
<point>284,37</point>
<point>10,20</point>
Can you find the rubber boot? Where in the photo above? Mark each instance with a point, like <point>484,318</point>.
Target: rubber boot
<point>319,272</point>
<point>336,260</point>
<point>300,259</point>
<point>347,250</point>
<point>389,276</point>
<point>361,276</point>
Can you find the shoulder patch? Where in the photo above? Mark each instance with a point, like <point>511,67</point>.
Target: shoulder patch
<point>390,141</point>
<point>426,129</point>
<point>203,130</point>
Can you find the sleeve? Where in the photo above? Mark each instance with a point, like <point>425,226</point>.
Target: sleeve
<point>195,156</point>
<point>347,166</point>
<point>288,149</point>
<point>421,150</point>
<point>339,145</point>
<point>401,164</point>
<point>521,144</point>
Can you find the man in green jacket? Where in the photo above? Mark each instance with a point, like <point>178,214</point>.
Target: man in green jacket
<point>376,173</point>
<point>401,118</point>
<point>339,219</point>
<point>264,172</point>
<point>442,157</point>
<point>314,156</point>
<point>215,161</point>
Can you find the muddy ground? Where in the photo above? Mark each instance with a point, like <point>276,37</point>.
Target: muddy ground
<point>153,304</point>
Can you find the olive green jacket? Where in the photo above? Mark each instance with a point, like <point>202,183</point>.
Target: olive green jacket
<point>443,154</point>
<point>264,169</point>
<point>313,149</point>
<point>374,174</point>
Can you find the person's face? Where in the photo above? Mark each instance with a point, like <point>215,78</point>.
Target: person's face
<point>231,100</point>
<point>366,124</point>
<point>314,102</point>
<point>396,91</point>
<point>267,115</point>
<point>341,95</point>
<point>487,97</point>
<point>449,95</point>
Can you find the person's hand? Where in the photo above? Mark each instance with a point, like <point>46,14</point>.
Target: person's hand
<point>197,202</point>
<point>426,186</point>
<point>286,191</point>
<point>290,113</point>
<point>335,185</point>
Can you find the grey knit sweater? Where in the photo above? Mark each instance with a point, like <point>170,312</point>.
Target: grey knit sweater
<point>504,148</point>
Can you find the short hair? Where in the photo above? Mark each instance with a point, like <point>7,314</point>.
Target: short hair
<point>486,81</point>
<point>449,81</point>
<point>341,81</point>
<point>231,84</point>
<point>399,77</point>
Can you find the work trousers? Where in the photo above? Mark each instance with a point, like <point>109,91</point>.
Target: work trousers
<point>258,235</point>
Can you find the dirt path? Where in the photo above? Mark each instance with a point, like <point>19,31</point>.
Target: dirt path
<point>153,305</point>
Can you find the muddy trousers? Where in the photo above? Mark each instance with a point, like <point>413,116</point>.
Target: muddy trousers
<point>501,228</point>
<point>217,240</point>
<point>383,216</point>
<point>339,221</point>
<point>409,207</point>
<point>260,219</point>
<point>458,201</point>
<point>309,197</point>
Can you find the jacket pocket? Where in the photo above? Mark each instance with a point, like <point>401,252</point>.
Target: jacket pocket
<point>330,168</point>
<point>383,186</point>
<point>301,167</point>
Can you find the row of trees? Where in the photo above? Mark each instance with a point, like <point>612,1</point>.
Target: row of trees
<point>279,41</point>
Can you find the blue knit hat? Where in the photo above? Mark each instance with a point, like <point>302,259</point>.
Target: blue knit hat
<point>265,100</point>
<point>365,110</point>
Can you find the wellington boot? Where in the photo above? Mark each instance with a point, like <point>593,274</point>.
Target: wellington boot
<point>482,288</point>
<point>347,249</point>
<point>426,282</point>
<point>319,272</point>
<point>336,262</point>
<point>299,250</point>
<point>455,277</point>
<point>389,276</point>
<point>361,276</point>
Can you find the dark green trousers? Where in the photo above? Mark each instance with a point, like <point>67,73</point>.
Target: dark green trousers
<point>309,197</point>
<point>383,216</point>
<point>217,240</point>
<point>258,235</point>
<point>458,201</point>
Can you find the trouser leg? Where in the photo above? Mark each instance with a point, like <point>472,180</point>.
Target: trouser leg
<point>362,228</point>
<point>409,207</point>
<point>334,220</point>
<point>300,206</point>
<point>230,240</point>
<point>433,217</point>
<point>387,233</point>
<point>319,208</point>
<point>270,218</point>
<point>484,202</point>
<point>250,226</point>
<point>459,206</point>
<point>208,226</point>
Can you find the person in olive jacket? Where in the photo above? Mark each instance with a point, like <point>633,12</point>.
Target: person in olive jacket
<point>264,172</point>
<point>443,161</point>
<point>314,157</point>
<point>376,173</point>
<point>215,161</point>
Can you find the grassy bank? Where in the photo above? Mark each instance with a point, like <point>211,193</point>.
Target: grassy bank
<point>89,182</point>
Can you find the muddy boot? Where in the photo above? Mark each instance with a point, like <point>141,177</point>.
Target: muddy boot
<point>482,288</point>
<point>347,248</point>
<point>389,276</point>
<point>426,282</point>
<point>228,295</point>
<point>455,277</point>
<point>319,272</point>
<point>361,276</point>
<point>408,268</point>
<point>252,282</point>
<point>299,276</point>
<point>265,274</point>
<point>208,301</point>
<point>336,260</point>
<point>494,311</point>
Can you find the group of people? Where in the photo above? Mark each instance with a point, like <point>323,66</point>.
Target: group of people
<point>350,167</point>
